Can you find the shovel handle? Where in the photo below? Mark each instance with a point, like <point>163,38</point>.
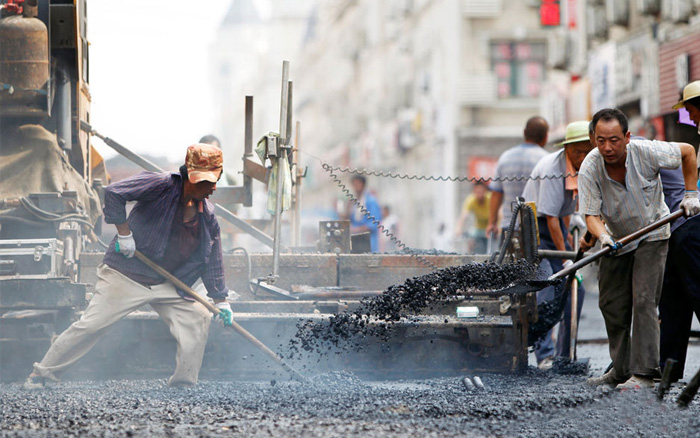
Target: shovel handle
<point>216,311</point>
<point>624,241</point>
<point>177,282</point>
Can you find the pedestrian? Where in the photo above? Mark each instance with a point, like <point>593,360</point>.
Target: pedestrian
<point>556,200</point>
<point>512,170</point>
<point>476,204</point>
<point>620,192</point>
<point>174,225</point>
<point>359,221</point>
<point>392,224</point>
<point>680,296</point>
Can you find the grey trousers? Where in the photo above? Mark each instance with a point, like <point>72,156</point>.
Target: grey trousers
<point>630,288</point>
<point>115,297</point>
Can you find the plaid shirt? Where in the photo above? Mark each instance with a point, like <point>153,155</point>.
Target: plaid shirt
<point>638,203</point>
<point>157,196</point>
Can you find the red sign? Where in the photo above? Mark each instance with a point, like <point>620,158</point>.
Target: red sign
<point>550,13</point>
<point>482,167</point>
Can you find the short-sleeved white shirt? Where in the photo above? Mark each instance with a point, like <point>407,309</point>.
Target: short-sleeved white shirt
<point>640,201</point>
<point>547,187</point>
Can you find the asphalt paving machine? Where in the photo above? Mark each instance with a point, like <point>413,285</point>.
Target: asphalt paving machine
<point>50,209</point>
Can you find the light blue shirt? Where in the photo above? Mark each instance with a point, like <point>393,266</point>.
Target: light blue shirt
<point>515,164</point>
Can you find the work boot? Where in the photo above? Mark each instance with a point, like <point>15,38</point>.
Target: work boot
<point>608,379</point>
<point>34,382</point>
<point>636,382</point>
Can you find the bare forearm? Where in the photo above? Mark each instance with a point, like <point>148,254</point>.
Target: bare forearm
<point>123,229</point>
<point>690,168</point>
<point>495,206</point>
<point>555,233</point>
<point>595,226</point>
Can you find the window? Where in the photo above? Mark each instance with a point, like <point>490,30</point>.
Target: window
<point>518,67</point>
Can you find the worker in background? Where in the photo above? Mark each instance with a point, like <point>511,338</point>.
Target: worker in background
<point>556,199</point>
<point>360,222</point>
<point>226,180</point>
<point>476,204</point>
<point>680,296</point>
<point>512,170</point>
<point>228,230</point>
<point>174,225</point>
<point>619,184</point>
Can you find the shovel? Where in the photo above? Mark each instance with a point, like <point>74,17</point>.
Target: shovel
<point>215,310</point>
<point>558,277</point>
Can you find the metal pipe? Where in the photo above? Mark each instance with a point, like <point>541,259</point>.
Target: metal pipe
<point>248,151</point>
<point>288,125</point>
<point>122,150</point>
<point>297,191</point>
<point>555,254</point>
<point>63,112</point>
<point>280,156</point>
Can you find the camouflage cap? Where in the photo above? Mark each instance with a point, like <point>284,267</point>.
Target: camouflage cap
<point>204,163</point>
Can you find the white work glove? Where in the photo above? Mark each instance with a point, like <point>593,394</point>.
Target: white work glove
<point>568,263</point>
<point>690,203</point>
<point>125,245</point>
<point>225,314</point>
<point>577,222</point>
<point>606,240</point>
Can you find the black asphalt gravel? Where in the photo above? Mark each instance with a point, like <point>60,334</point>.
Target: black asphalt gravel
<point>348,330</point>
<point>537,404</point>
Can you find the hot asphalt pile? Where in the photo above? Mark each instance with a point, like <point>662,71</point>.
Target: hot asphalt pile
<point>536,404</point>
<point>375,315</point>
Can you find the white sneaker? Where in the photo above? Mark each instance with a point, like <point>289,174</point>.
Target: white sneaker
<point>34,383</point>
<point>546,364</point>
<point>636,382</point>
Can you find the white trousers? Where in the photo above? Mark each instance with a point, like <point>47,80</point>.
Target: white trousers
<point>116,296</point>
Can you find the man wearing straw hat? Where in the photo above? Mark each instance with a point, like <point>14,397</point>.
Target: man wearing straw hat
<point>680,296</point>
<point>556,199</point>
<point>174,225</point>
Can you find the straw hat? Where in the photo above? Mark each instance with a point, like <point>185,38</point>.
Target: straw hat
<point>690,91</point>
<point>575,132</point>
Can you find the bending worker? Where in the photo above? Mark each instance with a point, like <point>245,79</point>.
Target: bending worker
<point>619,183</point>
<point>556,199</point>
<point>174,225</point>
<point>680,297</point>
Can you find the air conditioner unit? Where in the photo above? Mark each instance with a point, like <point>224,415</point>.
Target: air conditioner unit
<point>481,8</point>
<point>596,22</point>
<point>617,12</point>
<point>676,10</point>
<point>649,7</point>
